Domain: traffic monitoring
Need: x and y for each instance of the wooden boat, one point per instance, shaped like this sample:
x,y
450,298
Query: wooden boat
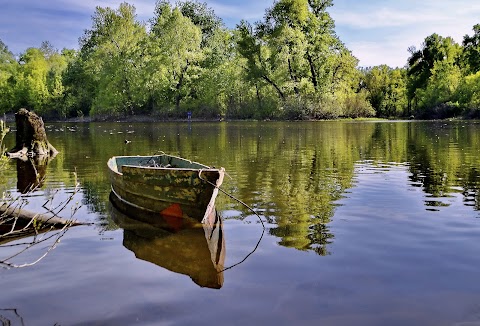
x,y
166,184
196,250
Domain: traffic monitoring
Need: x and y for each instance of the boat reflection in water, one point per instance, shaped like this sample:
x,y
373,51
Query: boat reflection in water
x,y
180,245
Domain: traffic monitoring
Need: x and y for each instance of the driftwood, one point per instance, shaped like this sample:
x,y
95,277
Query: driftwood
x,y
16,224
21,230
31,138
28,216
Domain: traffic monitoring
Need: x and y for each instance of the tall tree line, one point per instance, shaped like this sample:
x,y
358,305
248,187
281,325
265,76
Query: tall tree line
x,y
444,77
289,65
441,79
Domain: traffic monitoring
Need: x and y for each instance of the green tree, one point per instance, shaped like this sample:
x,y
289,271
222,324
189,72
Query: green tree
x,y
220,80
471,50
344,91
175,55
217,84
441,88
80,86
58,63
386,90
296,52
260,63
468,94
8,71
35,81
111,52
203,17
31,83
435,48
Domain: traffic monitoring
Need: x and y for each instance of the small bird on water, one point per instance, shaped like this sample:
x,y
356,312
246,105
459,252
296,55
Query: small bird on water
x,y
127,141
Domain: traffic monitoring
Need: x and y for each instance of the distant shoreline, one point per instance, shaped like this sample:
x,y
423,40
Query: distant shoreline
x,y
10,118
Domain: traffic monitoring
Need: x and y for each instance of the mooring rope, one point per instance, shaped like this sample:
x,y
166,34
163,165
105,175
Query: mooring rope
x,y
157,153
251,252
231,196
251,209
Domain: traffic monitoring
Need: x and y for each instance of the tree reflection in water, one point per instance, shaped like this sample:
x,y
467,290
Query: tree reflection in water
x,y
294,173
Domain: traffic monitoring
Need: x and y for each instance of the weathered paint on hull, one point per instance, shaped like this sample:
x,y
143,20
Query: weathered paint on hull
x,y
158,188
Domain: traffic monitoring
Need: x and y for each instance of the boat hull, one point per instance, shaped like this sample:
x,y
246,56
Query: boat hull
x,y
165,184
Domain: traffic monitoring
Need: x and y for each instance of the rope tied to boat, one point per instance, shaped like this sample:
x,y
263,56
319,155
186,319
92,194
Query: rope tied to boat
x,y
229,195
244,204
157,153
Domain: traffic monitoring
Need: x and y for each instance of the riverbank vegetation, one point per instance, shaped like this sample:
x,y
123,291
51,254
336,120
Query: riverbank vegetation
x,y
289,65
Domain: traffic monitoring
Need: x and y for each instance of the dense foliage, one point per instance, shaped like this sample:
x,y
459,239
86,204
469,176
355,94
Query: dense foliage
x,y
290,65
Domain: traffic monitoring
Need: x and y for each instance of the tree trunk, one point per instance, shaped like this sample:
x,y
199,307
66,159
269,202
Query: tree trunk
x,y
312,71
31,138
179,86
259,99
293,77
271,82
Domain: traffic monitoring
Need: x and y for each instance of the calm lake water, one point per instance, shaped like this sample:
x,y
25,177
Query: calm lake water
x,y
367,223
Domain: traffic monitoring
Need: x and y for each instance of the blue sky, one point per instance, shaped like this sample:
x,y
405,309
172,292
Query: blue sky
x,y
376,31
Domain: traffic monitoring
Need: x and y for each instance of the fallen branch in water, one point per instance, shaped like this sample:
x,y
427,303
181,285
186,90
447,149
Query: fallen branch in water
x,y
47,235
18,223
20,213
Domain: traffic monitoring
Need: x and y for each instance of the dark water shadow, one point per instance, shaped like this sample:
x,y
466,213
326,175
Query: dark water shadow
x,y
31,173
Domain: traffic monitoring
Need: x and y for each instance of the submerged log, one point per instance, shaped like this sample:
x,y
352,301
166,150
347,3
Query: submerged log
x,y
27,216
31,138
16,224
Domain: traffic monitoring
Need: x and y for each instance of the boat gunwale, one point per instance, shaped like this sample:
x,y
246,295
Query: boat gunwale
x,y
176,169
114,168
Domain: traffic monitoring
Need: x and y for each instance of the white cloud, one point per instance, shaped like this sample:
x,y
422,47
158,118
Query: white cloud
x,y
384,17
380,32
378,14
374,54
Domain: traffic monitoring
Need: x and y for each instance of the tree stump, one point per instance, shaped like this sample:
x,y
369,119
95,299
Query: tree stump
x,y
31,138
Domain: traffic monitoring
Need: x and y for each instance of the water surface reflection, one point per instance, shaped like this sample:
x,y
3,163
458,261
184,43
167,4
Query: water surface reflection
x,y
197,249
368,223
